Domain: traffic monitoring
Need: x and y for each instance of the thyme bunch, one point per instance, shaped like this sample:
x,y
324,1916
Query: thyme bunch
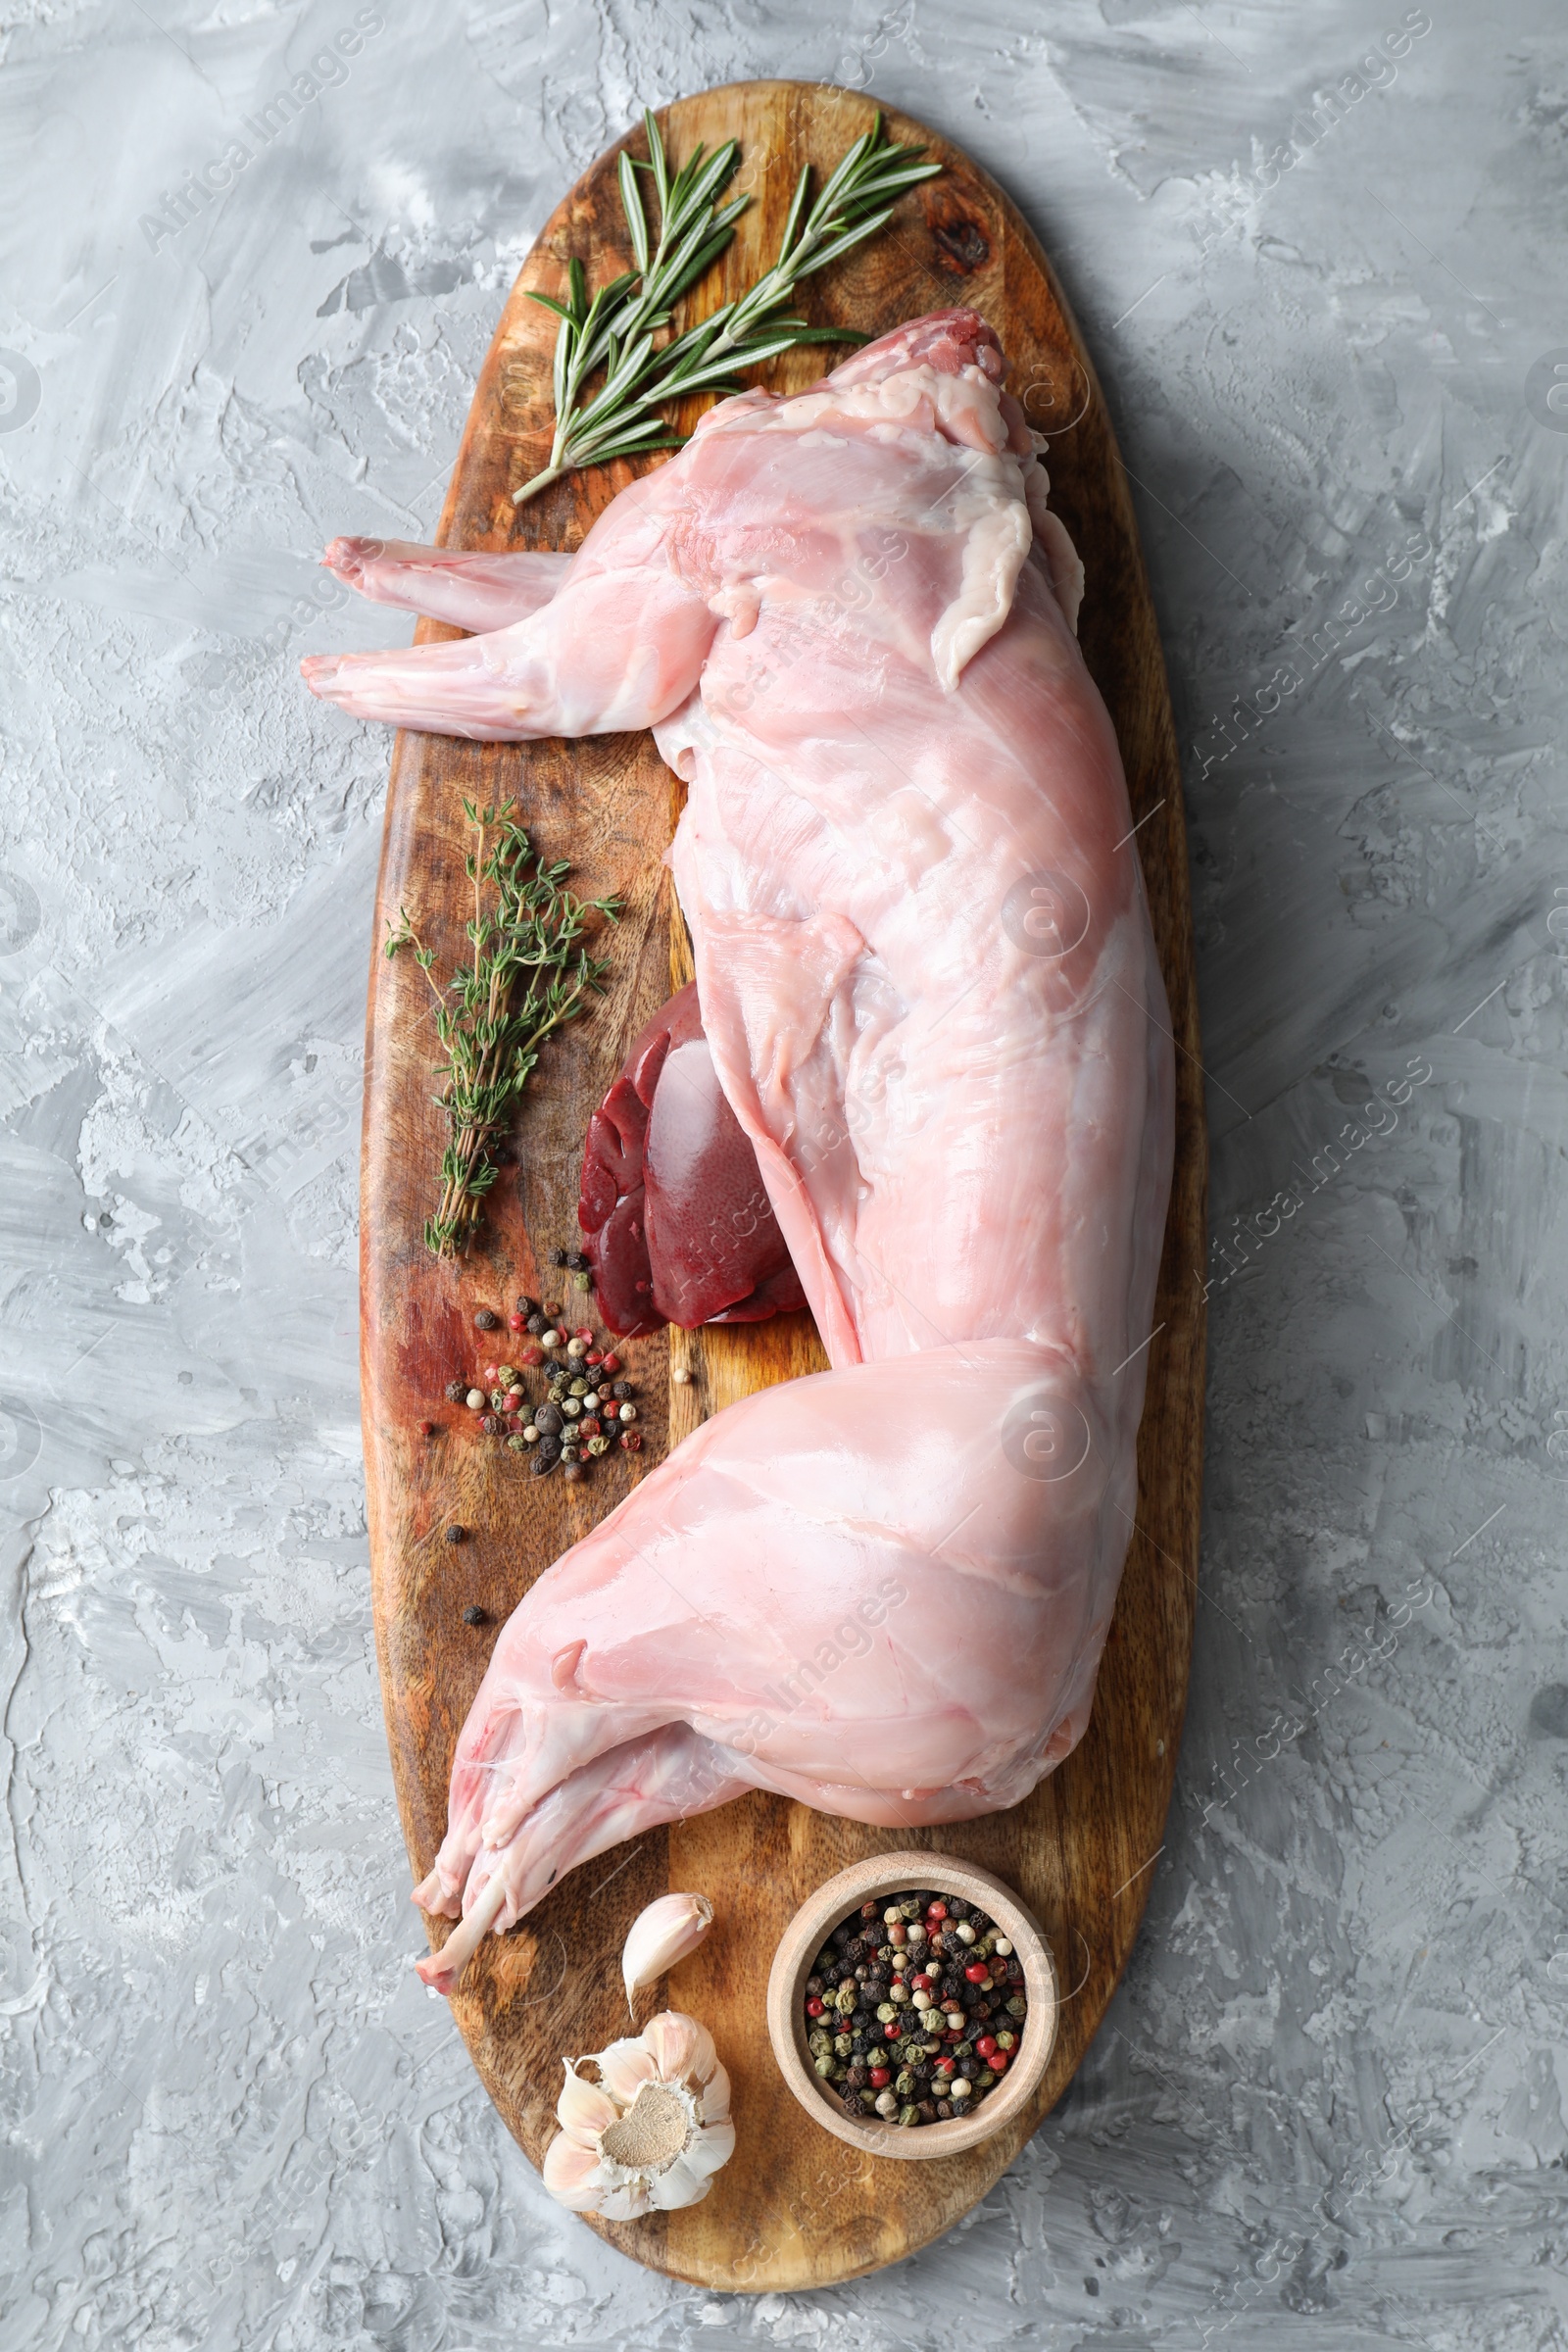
x,y
615,327
528,973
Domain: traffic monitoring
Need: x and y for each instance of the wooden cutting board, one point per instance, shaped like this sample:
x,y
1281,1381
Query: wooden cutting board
x,y
794,2208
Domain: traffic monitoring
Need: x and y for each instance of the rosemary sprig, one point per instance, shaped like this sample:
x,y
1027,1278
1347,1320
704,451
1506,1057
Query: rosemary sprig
x,y
615,329
527,974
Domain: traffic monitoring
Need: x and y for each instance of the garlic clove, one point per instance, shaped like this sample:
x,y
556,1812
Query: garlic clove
x,y
572,2174
682,2185
665,1933
627,2204
714,2102
584,2110
710,2150
681,2048
625,2067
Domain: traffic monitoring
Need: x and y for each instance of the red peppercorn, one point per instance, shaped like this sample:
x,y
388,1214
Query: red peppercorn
x,y
516,1322
816,2008
881,2077
998,2062
590,1427
492,1373
611,1363
584,1331
986,2045
892,2033
945,2066
919,1983
630,1441
937,1910
976,1972
594,1358
533,1355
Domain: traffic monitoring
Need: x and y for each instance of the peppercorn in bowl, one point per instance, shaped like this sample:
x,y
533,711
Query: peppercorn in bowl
x,y
901,1980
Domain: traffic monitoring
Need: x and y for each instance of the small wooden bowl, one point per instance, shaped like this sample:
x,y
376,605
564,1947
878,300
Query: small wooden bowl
x,y
805,1936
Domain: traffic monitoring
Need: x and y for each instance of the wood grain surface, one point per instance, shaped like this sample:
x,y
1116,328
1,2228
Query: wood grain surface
x,y
794,2208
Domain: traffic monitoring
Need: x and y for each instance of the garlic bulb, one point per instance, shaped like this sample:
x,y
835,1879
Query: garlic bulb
x,y
650,2135
663,1935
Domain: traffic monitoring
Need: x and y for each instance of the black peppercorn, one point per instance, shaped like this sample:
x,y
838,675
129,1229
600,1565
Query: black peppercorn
x,y
543,1461
558,1257
474,1615
526,1307
457,1534
487,1319
621,1389
456,1391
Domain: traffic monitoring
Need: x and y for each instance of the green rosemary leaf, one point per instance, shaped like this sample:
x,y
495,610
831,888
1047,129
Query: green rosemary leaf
x,y
633,206
656,160
613,335
844,244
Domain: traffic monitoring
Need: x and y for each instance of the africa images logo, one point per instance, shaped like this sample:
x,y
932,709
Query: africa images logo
x,y
327,71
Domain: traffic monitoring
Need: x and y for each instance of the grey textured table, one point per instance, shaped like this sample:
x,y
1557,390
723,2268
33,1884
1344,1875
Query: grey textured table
x,y
1327,297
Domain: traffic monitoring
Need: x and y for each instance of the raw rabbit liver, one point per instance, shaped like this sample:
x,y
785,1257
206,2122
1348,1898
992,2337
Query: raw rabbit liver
x,y
929,987
678,1226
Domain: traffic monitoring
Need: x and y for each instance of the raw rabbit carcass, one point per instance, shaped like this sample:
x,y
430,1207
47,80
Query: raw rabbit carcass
x,y
929,987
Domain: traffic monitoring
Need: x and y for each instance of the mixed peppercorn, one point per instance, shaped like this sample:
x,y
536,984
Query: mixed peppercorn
x,y
914,2009
584,1405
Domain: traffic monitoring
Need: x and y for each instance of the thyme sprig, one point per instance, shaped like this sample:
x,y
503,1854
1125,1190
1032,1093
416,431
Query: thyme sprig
x,y
528,973
615,329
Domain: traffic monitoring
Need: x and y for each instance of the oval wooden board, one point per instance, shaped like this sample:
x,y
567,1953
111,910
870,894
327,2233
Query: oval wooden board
x,y
794,2208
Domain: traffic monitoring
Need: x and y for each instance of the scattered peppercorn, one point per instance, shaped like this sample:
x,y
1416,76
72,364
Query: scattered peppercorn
x,y
474,1615
557,1257
938,2055
457,1534
577,1410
